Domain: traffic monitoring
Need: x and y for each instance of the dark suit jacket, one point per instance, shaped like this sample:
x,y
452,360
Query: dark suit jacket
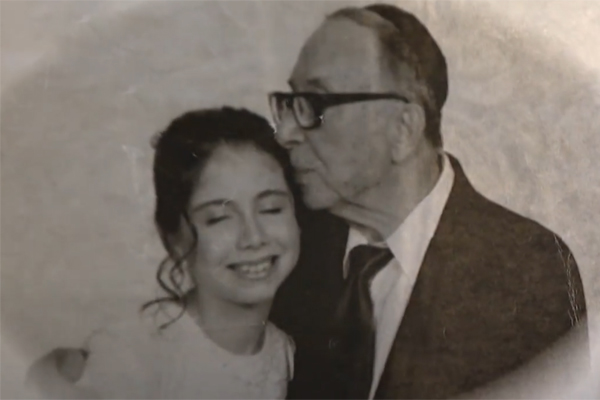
x,y
494,290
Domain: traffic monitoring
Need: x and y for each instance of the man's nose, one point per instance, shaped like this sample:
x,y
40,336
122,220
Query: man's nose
x,y
252,235
288,133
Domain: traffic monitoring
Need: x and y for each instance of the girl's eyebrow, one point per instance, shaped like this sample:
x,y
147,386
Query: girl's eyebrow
x,y
273,192
216,202
224,202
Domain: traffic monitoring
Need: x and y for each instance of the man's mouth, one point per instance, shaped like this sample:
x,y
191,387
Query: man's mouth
x,y
257,269
301,173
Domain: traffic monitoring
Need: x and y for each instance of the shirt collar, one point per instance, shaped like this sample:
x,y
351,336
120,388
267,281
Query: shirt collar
x,y
410,241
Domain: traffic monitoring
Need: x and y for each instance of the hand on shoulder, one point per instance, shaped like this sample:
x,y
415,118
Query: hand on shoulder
x,y
55,374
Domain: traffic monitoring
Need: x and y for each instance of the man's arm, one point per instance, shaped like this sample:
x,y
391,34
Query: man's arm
x,y
55,374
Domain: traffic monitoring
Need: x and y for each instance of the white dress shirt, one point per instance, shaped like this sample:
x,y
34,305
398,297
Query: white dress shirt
x,y
392,286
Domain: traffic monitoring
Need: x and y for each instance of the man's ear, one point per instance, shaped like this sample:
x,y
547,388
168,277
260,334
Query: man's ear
x,y
410,129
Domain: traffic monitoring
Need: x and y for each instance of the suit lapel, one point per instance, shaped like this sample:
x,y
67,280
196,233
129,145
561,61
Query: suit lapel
x,y
411,373
436,268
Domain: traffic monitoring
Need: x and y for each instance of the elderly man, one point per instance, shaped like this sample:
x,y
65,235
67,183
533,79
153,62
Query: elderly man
x,y
411,283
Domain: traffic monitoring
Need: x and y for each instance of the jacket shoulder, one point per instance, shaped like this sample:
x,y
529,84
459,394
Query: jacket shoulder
x,y
530,260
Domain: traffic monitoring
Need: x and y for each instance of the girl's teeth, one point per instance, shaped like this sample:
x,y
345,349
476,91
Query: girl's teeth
x,y
255,271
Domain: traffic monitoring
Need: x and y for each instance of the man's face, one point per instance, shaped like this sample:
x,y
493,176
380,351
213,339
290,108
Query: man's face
x,y
349,152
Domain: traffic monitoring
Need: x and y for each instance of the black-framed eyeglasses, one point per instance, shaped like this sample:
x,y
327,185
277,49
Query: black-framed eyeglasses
x,y
308,107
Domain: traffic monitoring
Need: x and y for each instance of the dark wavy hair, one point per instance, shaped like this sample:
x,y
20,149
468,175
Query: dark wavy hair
x,y
181,153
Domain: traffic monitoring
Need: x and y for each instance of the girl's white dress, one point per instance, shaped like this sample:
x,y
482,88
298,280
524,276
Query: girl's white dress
x,y
134,360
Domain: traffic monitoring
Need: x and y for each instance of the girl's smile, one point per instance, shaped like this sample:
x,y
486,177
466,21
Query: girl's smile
x,y
255,270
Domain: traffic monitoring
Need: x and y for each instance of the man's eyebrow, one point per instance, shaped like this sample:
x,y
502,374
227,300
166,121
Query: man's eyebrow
x,y
273,192
317,83
211,203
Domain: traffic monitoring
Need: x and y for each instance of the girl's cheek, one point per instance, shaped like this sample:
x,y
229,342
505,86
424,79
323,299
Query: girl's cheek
x,y
286,230
220,242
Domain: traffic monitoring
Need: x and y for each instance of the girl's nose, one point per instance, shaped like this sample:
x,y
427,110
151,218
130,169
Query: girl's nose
x,y
252,235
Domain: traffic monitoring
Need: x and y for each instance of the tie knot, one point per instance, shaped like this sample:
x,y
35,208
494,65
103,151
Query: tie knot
x,y
366,261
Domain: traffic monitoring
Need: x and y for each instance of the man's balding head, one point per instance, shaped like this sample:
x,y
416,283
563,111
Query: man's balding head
x,y
411,55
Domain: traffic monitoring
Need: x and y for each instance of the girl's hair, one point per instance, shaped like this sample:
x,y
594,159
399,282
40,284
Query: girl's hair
x,y
181,153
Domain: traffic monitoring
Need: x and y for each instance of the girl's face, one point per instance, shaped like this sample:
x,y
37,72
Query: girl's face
x,y
248,236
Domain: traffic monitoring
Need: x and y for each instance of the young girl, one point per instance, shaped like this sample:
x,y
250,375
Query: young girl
x,y
225,211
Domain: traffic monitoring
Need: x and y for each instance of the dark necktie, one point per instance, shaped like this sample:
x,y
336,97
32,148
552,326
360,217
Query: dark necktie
x,y
353,342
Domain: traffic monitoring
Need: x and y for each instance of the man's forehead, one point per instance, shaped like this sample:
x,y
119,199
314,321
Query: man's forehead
x,y
338,50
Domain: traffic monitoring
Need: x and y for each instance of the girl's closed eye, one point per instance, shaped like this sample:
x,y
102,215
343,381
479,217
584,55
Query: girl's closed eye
x,y
216,219
272,210
213,212
216,214
273,205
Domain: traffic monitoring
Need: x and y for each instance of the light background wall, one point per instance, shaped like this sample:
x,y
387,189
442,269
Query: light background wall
x,y
86,84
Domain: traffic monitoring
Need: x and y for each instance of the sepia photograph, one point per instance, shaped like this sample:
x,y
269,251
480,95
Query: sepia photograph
x,y
300,199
